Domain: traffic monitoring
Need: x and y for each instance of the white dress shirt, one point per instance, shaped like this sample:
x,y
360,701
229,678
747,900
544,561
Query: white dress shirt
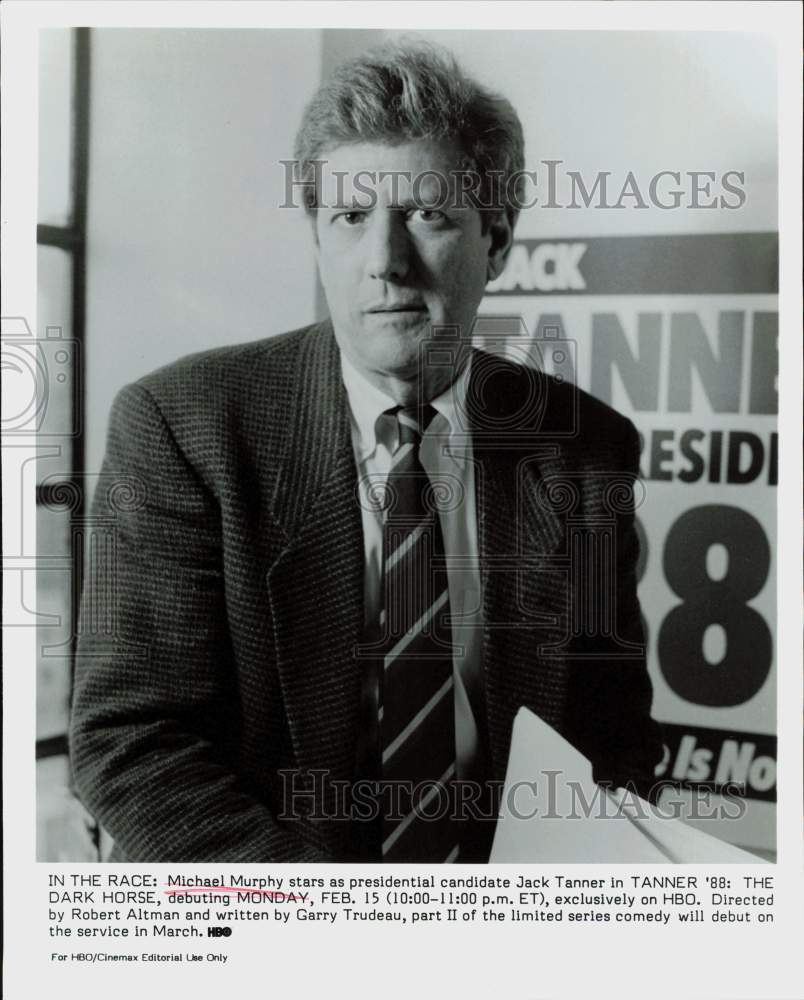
x,y
446,455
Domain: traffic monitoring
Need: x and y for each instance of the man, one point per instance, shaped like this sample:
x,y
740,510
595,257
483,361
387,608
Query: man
x,y
352,551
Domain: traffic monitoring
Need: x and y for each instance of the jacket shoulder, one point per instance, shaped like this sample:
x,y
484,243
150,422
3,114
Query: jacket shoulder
x,y
224,405
236,365
545,404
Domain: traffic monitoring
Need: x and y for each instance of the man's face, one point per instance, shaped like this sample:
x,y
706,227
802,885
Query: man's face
x,y
402,259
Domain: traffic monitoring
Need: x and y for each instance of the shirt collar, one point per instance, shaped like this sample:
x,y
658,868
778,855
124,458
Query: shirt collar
x,y
367,404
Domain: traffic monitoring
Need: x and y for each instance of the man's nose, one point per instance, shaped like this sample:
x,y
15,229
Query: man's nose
x,y
388,250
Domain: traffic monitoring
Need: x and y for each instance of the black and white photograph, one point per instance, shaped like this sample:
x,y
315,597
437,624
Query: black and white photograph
x,y
441,243
394,454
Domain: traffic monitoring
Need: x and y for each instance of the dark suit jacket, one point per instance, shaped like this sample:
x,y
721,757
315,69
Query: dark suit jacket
x,y
218,629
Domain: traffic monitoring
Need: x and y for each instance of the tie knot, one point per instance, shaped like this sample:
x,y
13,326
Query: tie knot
x,y
413,421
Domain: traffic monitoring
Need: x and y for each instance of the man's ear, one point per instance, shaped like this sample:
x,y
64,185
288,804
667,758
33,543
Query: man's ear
x,y
501,230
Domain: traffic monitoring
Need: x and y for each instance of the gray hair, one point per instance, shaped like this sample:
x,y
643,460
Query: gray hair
x,y
404,92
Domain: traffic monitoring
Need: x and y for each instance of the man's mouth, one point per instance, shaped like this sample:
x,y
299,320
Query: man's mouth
x,y
401,307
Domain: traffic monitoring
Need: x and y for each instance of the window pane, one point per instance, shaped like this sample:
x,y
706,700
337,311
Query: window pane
x,y
53,604
63,826
57,352
55,123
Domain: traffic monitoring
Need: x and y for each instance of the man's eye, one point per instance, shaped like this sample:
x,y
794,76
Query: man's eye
x,y
352,218
427,215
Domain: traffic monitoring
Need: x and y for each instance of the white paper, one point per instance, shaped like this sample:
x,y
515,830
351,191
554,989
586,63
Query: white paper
x,y
553,812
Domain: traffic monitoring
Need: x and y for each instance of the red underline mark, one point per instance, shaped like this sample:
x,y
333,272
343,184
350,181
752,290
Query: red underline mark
x,y
273,894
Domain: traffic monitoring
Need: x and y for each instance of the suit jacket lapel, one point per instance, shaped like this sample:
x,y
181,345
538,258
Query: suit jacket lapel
x,y
316,585
519,537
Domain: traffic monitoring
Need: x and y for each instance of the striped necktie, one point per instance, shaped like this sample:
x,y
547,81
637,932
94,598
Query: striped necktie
x,y
417,710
